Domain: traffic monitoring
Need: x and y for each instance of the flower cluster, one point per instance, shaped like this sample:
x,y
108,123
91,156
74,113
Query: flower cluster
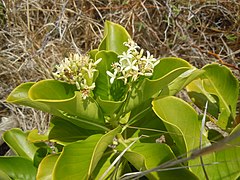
x,y
79,70
132,64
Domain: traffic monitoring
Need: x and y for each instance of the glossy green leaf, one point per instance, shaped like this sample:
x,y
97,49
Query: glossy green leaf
x,y
219,80
167,65
164,73
200,96
39,155
64,131
79,159
64,97
18,168
17,141
228,166
181,81
141,93
181,121
60,99
45,169
20,96
103,165
103,85
114,37
145,156
4,176
35,136
108,95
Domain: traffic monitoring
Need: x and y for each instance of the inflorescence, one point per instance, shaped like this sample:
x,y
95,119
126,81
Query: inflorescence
x,y
79,70
132,64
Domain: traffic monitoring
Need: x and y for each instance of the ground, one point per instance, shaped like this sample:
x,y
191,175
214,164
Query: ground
x,y
35,35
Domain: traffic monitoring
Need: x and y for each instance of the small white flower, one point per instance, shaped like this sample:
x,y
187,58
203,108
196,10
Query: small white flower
x,y
97,61
132,46
149,59
132,66
112,75
125,56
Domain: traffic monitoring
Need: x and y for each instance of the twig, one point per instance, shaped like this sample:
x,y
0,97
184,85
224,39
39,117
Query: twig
x,y
217,57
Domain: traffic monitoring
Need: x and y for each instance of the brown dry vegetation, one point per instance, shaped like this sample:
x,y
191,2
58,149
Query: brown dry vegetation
x,y
35,35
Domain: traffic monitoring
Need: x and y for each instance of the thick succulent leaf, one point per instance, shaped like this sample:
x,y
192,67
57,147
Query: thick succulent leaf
x,y
35,136
145,156
169,77
167,65
219,80
181,81
18,168
141,93
17,141
103,85
181,121
65,131
103,165
114,37
200,96
63,97
228,160
108,94
45,169
60,99
81,158
4,176
20,96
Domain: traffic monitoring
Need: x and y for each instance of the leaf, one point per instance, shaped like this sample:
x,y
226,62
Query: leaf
x,y
64,131
167,65
18,168
181,81
147,124
4,176
145,156
103,165
219,80
141,93
39,155
20,96
228,166
103,85
45,169
17,141
79,159
63,97
181,121
169,76
114,37
200,96
108,95
60,99
35,136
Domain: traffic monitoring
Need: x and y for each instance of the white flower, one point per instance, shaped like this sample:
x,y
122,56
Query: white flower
x,y
125,56
132,66
79,70
149,60
97,61
132,46
112,75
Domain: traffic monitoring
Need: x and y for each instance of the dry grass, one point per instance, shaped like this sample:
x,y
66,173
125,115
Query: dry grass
x,y
35,35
